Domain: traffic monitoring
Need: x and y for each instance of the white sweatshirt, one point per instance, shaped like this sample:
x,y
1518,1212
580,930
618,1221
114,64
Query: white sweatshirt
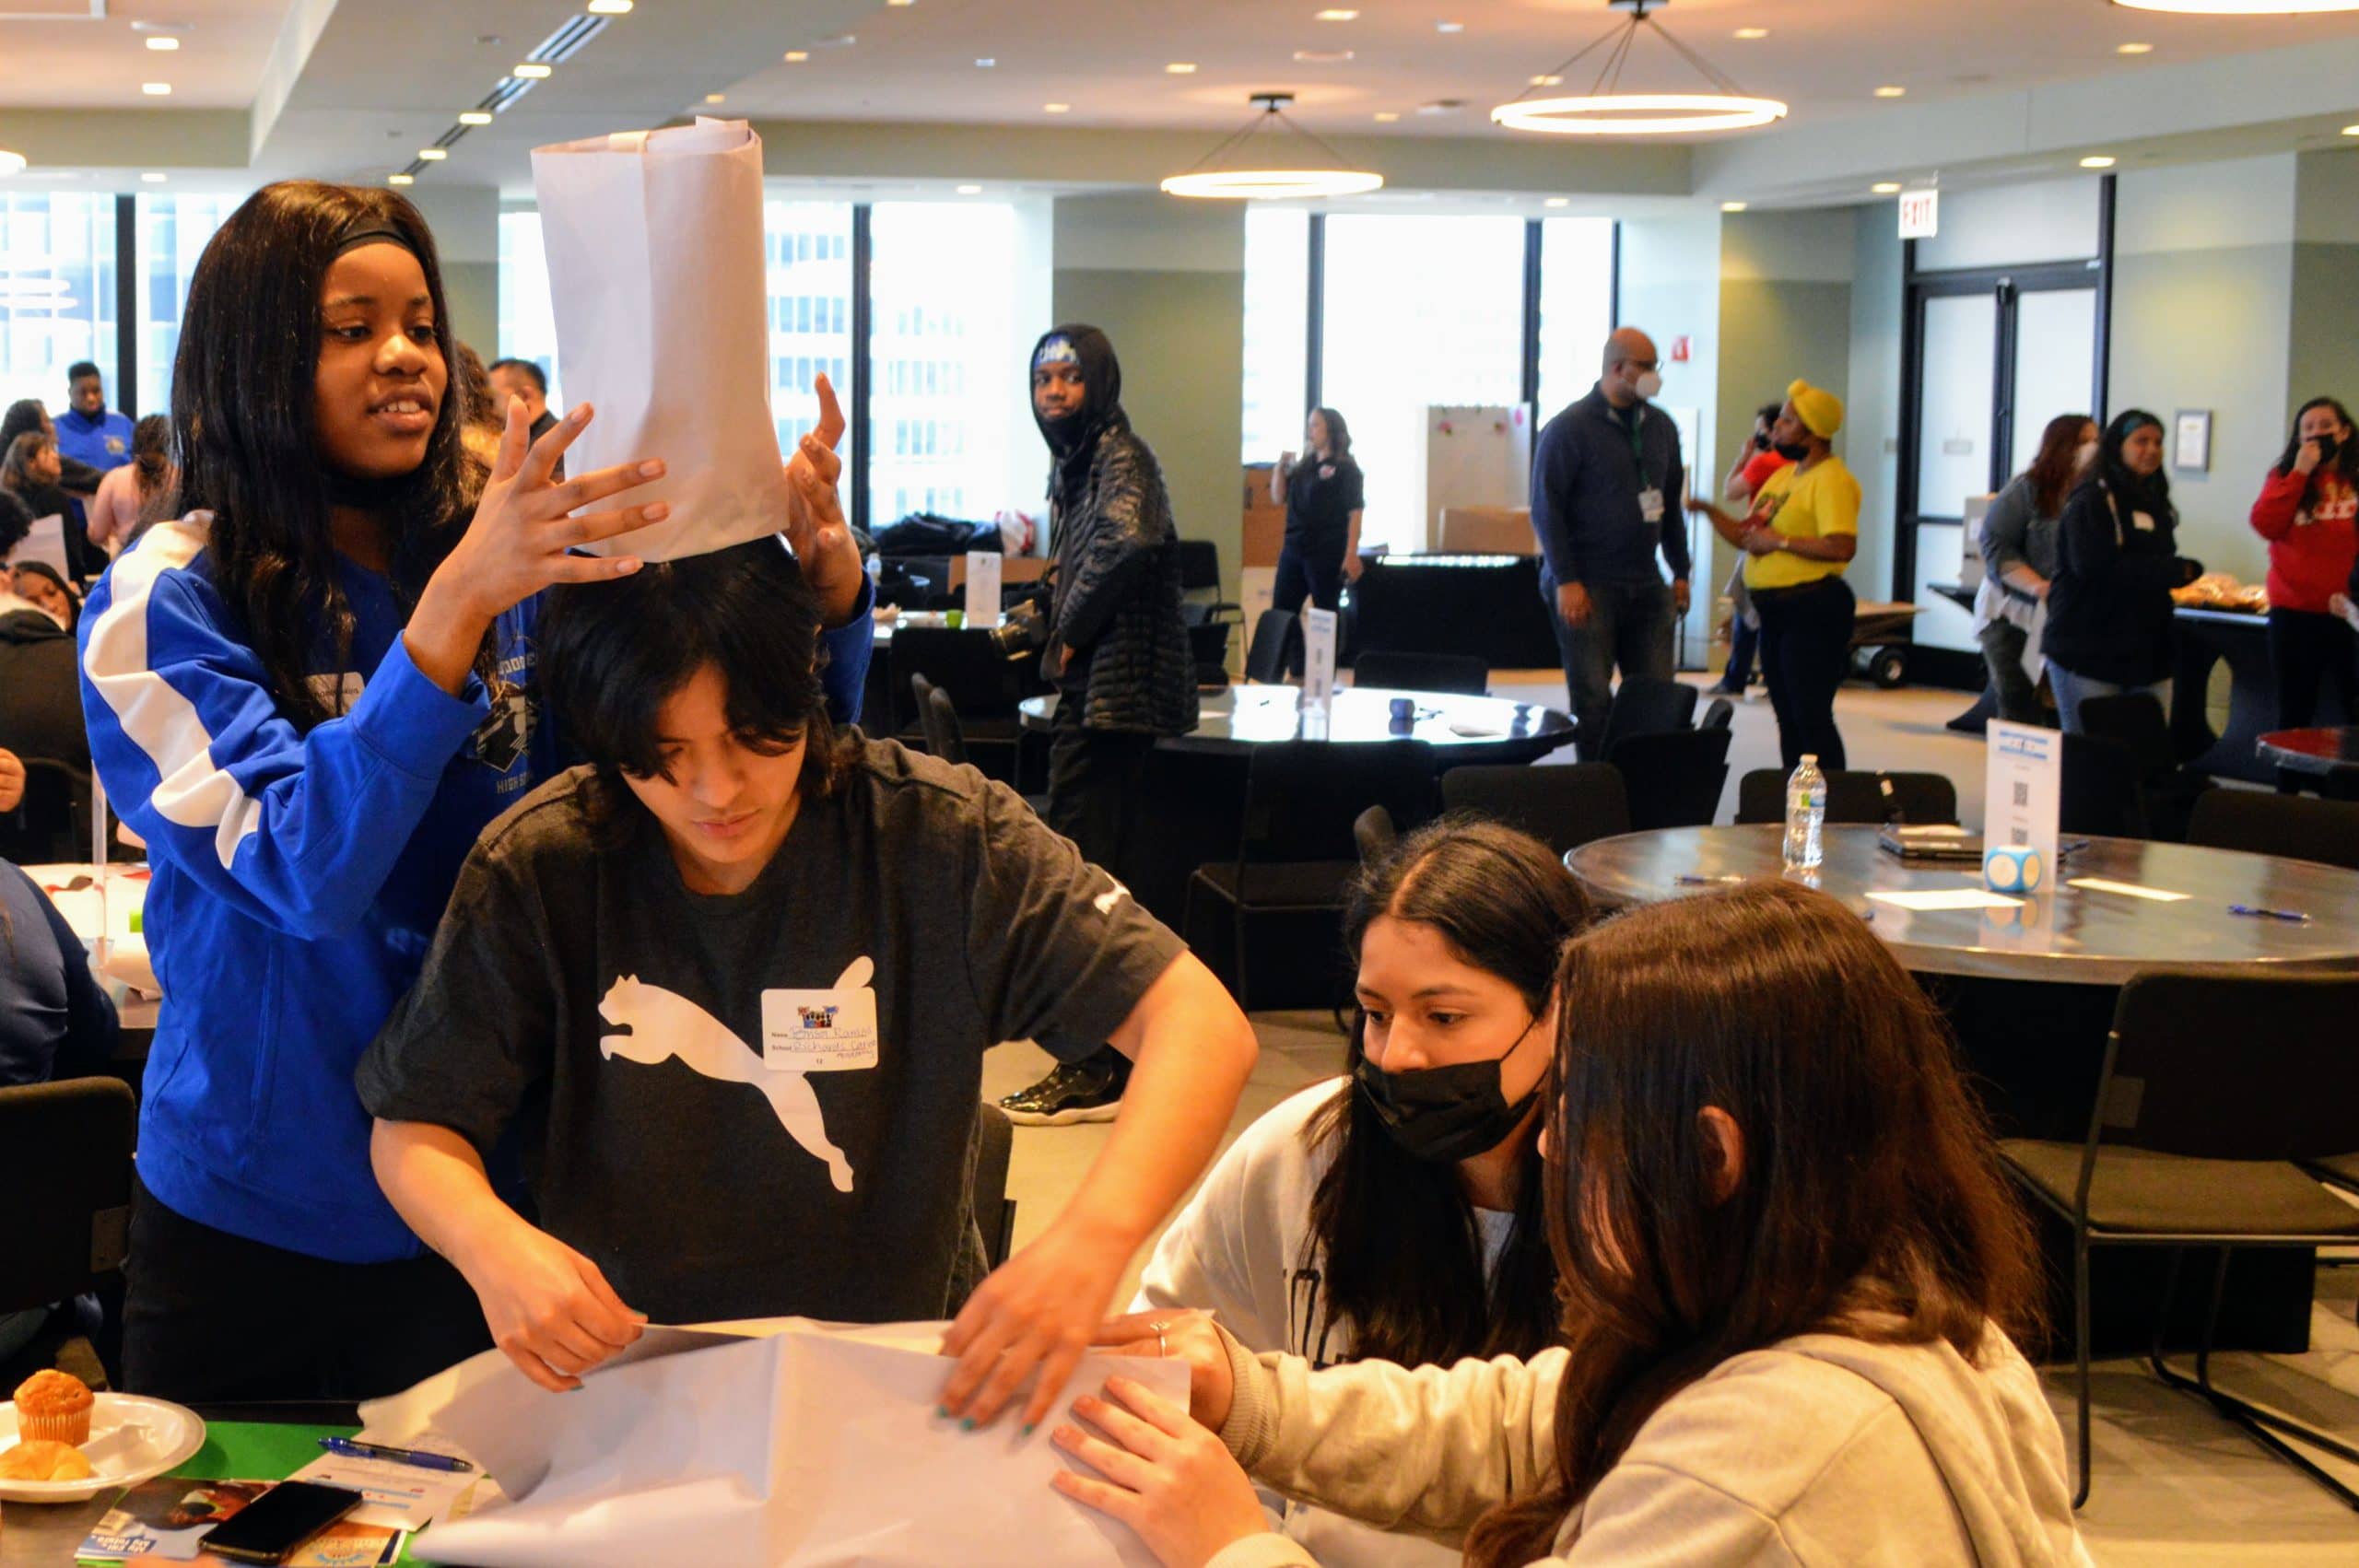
x,y
1242,1250
1821,1450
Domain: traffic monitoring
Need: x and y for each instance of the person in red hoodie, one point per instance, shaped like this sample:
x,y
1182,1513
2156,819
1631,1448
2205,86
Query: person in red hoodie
x,y
2308,512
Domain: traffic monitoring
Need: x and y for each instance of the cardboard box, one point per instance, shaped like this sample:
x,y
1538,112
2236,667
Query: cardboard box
x,y
1486,530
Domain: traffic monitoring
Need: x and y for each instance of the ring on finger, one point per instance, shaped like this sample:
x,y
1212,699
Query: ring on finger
x,y
1162,1344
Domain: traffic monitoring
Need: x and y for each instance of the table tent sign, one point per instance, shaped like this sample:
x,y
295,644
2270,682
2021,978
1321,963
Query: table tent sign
x,y
787,1443
1318,658
2025,790
982,587
656,277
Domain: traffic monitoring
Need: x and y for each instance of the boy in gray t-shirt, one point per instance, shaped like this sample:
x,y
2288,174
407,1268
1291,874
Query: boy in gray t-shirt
x,y
729,989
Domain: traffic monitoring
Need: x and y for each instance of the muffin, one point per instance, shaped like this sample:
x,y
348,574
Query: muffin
x,y
53,1406
40,1459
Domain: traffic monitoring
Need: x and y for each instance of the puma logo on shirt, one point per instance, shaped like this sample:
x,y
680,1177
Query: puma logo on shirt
x,y
663,1024
1104,903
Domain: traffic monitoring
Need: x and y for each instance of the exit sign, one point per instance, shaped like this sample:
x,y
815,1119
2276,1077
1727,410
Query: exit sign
x,y
1921,214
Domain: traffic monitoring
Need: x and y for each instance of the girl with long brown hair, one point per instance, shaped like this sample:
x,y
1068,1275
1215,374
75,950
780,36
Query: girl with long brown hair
x,y
1791,1277
2018,544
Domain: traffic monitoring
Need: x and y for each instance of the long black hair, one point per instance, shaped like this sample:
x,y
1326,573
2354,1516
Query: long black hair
x,y
1403,1256
613,653
243,417
2345,459
2150,492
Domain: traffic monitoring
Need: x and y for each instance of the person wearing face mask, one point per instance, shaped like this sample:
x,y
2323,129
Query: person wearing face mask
x,y
2308,512
2018,542
1396,1214
1802,531
2110,603
1606,479
1118,651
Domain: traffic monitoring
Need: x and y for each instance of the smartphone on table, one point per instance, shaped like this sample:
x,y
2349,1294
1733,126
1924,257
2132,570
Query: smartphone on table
x,y
278,1521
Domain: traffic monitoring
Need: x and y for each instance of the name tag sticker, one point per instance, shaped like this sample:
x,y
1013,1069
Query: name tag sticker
x,y
1650,506
2143,521
819,1031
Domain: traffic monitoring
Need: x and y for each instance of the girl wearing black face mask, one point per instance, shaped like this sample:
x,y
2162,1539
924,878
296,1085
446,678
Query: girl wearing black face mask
x,y
1396,1214
2308,512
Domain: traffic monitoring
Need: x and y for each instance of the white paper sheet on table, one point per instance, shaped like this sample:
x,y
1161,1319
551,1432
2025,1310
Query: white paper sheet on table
x,y
656,280
2129,889
813,1447
1947,898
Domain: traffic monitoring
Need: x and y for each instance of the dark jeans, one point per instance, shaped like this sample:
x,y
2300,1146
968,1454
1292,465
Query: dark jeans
x,y
1629,627
1309,568
1096,780
1805,653
1742,641
2002,652
2307,650
212,1316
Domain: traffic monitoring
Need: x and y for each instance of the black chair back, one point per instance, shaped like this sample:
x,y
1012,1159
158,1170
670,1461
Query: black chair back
x,y
1276,648
2136,720
1718,714
1646,704
66,1152
946,737
1564,807
1302,797
921,710
1199,565
2100,790
1458,672
987,1197
1854,796
1373,831
52,822
2234,1067
967,663
2294,827
1673,777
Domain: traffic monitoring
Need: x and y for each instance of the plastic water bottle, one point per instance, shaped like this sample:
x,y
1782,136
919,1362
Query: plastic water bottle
x,y
1805,816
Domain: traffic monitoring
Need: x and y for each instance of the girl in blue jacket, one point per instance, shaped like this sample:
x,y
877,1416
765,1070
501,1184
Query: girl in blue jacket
x,y
308,695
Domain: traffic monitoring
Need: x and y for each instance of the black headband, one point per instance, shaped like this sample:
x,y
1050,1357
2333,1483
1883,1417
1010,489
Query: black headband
x,y
368,231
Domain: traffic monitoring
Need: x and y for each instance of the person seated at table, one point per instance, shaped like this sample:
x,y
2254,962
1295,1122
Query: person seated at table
x,y
1792,1278
1396,1214
39,584
2109,614
731,984
2308,512
40,693
55,1020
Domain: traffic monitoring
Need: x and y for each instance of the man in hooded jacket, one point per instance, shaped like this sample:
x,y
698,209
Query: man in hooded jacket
x,y
1118,651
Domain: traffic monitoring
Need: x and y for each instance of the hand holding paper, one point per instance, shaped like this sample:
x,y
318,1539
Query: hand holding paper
x,y
814,516
1166,1477
1179,1334
1037,1311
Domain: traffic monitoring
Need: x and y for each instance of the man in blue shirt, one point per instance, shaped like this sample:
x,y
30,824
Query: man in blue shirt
x,y
90,432
1606,482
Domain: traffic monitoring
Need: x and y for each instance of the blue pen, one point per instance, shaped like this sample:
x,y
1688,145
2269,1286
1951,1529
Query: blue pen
x,y
2296,916
353,1448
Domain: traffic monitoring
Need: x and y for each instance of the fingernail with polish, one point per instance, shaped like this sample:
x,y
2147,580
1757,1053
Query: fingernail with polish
x,y
1030,1427
942,1410
967,1424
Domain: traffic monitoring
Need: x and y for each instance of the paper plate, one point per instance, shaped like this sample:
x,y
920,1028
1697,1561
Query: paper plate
x,y
131,1438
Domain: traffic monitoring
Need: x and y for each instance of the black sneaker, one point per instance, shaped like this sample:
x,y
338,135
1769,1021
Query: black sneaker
x,y
1076,1091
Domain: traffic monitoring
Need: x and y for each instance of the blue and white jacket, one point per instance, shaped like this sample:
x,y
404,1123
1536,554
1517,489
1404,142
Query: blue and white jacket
x,y
299,877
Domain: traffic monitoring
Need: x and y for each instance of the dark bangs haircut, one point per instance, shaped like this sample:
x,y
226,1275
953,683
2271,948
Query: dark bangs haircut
x,y
613,653
2345,461
2155,487
1404,1255
1869,1201
243,406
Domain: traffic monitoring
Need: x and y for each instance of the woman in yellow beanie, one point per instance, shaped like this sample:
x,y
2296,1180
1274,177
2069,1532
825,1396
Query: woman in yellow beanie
x,y
1802,531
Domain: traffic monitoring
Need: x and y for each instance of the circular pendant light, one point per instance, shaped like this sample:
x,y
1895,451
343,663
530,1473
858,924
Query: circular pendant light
x,y
1216,176
2241,7
11,162
1605,110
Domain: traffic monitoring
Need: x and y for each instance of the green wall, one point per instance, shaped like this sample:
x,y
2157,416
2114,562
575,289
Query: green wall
x,y
1166,281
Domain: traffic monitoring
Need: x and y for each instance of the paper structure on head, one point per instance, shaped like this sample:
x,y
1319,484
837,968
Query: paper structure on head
x,y
656,280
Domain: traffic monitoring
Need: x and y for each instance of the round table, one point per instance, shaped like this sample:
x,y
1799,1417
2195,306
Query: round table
x,y
1461,729
2329,755
2068,935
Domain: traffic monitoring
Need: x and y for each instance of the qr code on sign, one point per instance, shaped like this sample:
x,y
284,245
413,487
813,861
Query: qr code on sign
x,y
2023,793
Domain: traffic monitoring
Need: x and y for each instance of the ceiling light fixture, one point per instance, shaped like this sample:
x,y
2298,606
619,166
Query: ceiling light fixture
x,y
2133,49
716,98
2351,130
970,190
1547,81
1605,110
1217,175
2241,7
1558,201
1731,206
1449,27
11,162
163,42
532,71
1387,116
1337,17
156,89
475,117
2100,161
151,178
610,8
985,63
1751,34
1180,68
797,56
1056,108
434,155
1886,187
401,179
1892,92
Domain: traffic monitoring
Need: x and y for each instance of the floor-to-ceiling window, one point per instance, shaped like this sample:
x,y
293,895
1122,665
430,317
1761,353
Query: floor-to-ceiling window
x,y
527,322
172,233
947,406
1277,312
1576,307
57,291
1417,311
